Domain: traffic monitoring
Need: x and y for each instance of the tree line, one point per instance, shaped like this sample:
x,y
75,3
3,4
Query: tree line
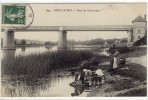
x,y
96,41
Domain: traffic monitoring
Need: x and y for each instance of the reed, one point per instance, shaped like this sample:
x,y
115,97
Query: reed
x,y
39,65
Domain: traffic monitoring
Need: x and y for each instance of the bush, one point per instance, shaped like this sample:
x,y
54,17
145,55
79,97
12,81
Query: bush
x,y
121,49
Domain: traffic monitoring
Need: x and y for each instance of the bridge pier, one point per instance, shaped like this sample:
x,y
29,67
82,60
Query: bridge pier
x,y
8,40
62,40
129,32
6,57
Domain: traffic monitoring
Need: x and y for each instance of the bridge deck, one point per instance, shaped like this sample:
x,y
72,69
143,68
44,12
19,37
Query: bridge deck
x,y
71,28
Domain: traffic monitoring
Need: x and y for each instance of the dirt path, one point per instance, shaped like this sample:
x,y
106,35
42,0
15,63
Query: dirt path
x,y
142,60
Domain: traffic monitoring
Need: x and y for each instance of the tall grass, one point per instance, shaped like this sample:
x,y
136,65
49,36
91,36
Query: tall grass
x,y
39,65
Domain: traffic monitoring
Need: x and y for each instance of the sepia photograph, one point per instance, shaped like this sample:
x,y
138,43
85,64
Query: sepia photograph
x,y
73,50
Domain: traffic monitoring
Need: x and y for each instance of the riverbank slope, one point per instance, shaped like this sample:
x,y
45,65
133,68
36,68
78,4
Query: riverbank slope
x,y
127,82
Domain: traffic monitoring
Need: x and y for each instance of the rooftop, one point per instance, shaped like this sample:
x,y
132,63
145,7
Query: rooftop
x,y
139,19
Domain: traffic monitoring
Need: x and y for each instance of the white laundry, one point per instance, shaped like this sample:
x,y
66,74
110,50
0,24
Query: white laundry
x,y
99,72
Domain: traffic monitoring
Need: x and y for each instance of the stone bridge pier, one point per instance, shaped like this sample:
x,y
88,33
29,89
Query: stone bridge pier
x,y
62,39
8,40
129,33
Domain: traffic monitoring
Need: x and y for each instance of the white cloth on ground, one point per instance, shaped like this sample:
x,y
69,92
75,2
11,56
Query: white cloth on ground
x,y
99,72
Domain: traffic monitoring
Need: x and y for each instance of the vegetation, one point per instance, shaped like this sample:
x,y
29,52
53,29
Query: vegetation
x,y
40,65
23,42
49,43
98,41
136,71
138,51
118,85
122,49
136,92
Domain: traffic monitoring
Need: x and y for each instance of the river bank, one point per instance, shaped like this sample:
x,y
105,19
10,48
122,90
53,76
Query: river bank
x,y
39,73
127,82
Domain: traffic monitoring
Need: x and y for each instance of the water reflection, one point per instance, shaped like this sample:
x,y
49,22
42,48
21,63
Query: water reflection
x,y
55,84
8,55
31,50
48,47
23,49
52,86
78,90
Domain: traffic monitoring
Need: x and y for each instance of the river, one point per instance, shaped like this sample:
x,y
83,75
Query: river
x,y
56,84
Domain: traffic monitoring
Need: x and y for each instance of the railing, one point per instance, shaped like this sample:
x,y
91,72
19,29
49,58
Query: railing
x,y
71,28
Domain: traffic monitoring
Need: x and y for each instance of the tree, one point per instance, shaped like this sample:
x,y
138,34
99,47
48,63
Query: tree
x,y
23,42
49,43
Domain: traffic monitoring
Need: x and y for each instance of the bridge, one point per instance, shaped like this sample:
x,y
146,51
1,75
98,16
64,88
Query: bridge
x,y
135,31
71,28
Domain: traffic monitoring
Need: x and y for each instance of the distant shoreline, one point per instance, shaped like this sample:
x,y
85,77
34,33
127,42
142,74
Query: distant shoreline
x,y
36,45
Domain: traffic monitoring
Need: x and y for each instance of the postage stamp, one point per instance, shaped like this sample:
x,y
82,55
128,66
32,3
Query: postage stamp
x,y
17,16
13,14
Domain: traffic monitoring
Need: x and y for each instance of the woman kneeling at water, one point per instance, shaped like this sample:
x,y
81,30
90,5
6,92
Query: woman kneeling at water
x,y
87,76
83,77
79,78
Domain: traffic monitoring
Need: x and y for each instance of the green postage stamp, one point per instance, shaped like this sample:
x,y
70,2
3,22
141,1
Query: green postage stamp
x,y
12,14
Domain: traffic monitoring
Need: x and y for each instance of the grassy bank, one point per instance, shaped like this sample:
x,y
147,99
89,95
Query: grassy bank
x,y
126,82
139,51
136,71
135,92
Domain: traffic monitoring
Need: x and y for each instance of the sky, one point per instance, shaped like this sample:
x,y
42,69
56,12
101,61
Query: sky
x,y
102,14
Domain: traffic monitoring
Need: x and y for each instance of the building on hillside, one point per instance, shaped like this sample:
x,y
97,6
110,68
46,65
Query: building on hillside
x,y
139,28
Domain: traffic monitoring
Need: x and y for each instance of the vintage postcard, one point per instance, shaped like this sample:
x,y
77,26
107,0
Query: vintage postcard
x,y
74,50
